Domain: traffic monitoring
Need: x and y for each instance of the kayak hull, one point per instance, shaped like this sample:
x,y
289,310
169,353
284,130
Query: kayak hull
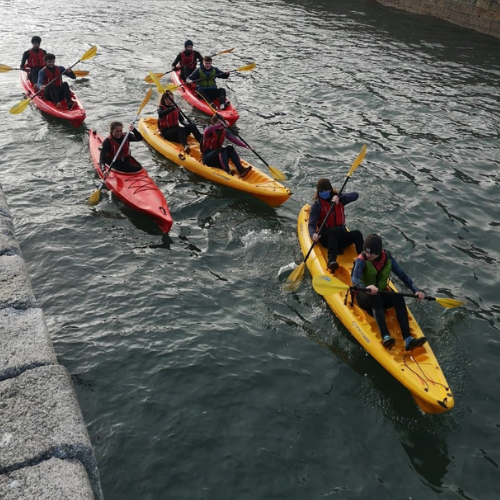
x,y
418,370
188,93
255,183
136,190
75,116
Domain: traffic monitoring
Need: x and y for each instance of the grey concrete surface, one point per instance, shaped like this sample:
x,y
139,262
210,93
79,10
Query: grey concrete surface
x,y
53,479
45,449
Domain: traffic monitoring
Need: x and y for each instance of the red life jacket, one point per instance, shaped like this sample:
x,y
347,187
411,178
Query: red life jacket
x,y
48,76
188,61
336,217
115,146
377,264
213,140
169,120
35,59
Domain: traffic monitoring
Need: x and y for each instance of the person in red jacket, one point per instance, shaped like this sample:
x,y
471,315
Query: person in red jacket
x,y
186,60
111,145
171,123
33,60
215,154
334,235
51,82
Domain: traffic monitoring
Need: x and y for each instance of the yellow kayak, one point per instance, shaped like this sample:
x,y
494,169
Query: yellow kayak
x,y
417,370
256,183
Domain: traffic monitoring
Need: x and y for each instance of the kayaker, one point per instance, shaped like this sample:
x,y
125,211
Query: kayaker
x,y
334,235
371,271
50,81
205,77
172,124
186,60
215,154
33,60
111,145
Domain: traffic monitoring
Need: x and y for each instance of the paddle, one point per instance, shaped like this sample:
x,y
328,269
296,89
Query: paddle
x,y
161,90
275,172
173,86
4,68
95,197
19,108
293,281
329,285
148,78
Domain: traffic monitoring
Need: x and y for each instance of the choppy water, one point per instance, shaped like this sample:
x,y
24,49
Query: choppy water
x,y
197,376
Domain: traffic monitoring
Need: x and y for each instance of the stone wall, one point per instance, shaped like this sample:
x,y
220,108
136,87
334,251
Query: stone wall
x,y
479,15
45,449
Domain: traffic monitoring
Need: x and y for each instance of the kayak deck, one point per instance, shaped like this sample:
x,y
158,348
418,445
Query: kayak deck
x,y
418,370
135,189
189,93
255,183
75,116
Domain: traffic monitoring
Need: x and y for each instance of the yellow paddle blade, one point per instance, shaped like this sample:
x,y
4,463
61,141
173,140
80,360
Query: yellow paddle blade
x,y
80,73
19,108
95,197
145,100
293,281
89,54
357,161
223,52
450,303
149,79
4,68
277,174
248,67
156,81
328,285
172,87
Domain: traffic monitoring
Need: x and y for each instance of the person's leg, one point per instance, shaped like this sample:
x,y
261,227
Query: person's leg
x,y
374,305
170,134
222,98
233,155
193,129
347,238
216,159
66,93
398,302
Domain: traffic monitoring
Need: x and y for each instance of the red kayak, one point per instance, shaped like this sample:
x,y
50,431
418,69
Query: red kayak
x,y
135,189
75,116
188,92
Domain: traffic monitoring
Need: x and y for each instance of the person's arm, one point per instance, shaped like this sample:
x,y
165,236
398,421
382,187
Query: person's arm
x,y
211,128
236,140
135,136
105,150
24,59
195,75
41,76
357,273
165,110
221,74
198,57
346,198
313,218
177,60
396,269
67,72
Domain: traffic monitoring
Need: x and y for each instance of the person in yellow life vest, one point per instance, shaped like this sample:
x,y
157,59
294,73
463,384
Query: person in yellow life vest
x,y
205,77
172,124
33,60
111,146
51,82
334,234
371,274
186,60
